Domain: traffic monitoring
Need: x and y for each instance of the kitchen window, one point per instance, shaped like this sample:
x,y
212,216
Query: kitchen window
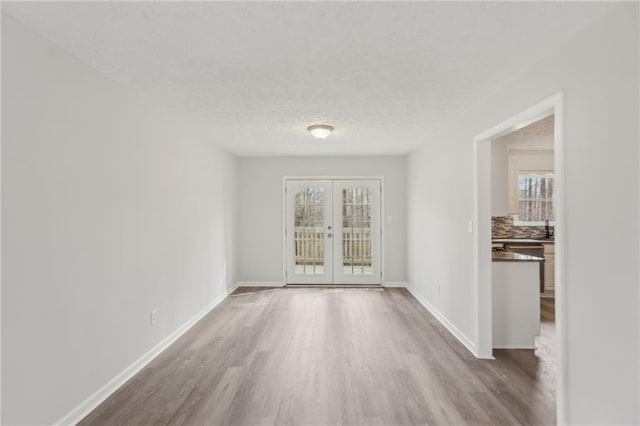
x,y
535,198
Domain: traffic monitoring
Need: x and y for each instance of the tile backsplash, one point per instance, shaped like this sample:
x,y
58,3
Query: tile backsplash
x,y
502,227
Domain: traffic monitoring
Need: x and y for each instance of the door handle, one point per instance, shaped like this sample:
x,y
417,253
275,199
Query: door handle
x,y
329,235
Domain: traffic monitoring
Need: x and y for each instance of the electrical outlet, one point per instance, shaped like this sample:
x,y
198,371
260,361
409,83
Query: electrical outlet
x,y
470,226
154,316
438,290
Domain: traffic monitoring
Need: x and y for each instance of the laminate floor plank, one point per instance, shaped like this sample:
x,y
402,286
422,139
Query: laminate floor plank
x,y
325,356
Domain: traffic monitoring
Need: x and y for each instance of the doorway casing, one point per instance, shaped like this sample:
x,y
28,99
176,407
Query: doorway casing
x,y
482,234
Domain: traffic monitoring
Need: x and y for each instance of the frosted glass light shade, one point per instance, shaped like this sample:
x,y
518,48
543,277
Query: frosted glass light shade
x,y
320,131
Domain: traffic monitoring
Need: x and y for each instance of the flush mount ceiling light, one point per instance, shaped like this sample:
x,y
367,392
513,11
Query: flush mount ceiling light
x,y
320,131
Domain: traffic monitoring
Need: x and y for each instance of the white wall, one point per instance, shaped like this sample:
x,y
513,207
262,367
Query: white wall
x,y
260,218
110,207
527,149
598,71
522,163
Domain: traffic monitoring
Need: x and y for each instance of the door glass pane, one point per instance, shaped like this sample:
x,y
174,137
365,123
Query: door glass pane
x,y
356,231
309,231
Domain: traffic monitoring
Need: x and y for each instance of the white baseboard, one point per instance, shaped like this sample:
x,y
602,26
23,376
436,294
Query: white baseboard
x,y
85,407
281,284
468,343
259,284
395,284
515,346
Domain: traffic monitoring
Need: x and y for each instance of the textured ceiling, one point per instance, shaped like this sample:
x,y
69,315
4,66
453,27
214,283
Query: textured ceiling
x,y
536,136
255,75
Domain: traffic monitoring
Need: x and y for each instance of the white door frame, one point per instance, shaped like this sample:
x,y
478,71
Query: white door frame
x,y
333,177
328,258
339,276
482,234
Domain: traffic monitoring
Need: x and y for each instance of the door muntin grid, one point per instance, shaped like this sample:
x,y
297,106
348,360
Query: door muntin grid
x,y
309,237
357,228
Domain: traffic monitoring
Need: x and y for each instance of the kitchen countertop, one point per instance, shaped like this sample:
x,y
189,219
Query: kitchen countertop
x,y
523,241
510,256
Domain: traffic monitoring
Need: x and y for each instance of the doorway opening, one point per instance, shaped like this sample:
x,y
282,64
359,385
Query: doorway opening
x,y
333,231
531,208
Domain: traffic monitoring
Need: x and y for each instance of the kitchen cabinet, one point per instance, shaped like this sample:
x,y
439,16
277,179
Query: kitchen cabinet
x,y
549,266
536,247
532,250
515,300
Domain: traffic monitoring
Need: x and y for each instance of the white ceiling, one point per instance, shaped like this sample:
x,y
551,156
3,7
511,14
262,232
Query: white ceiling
x,y
536,136
255,75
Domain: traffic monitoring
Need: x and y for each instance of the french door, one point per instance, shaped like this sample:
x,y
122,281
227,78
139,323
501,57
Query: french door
x,y
333,232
